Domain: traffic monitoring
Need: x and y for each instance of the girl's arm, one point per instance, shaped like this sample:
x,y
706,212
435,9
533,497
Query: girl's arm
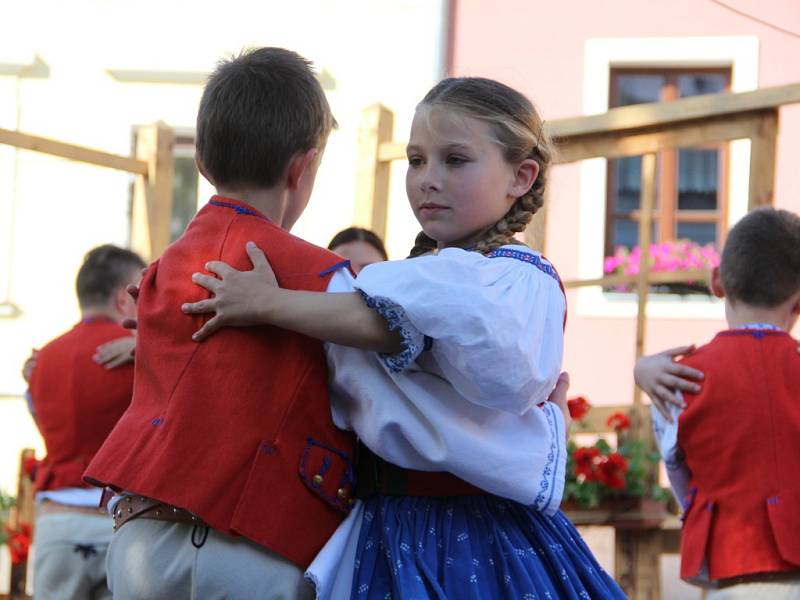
x,y
244,298
661,378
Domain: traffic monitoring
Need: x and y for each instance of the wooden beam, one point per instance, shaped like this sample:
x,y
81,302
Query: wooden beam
x,y
372,179
660,277
152,197
617,144
72,152
642,116
763,145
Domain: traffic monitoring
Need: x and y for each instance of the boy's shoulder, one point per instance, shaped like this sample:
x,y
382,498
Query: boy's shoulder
x,y
728,348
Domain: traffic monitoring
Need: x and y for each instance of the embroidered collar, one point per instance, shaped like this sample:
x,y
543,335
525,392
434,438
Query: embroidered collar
x,y
240,207
527,255
761,327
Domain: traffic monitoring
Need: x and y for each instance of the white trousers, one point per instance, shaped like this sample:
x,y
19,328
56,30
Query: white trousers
x,y
70,555
160,560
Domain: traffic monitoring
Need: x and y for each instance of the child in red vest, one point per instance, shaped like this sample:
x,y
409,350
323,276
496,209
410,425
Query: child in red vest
x,y
462,464
75,403
731,446
229,470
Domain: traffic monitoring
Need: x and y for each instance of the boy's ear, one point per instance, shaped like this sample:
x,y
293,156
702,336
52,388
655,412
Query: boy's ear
x,y
202,168
298,165
716,283
524,177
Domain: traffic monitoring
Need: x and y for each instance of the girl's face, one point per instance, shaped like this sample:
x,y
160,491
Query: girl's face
x,y
458,182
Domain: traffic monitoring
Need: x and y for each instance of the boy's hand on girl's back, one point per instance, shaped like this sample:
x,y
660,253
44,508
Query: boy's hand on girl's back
x,y
662,379
240,297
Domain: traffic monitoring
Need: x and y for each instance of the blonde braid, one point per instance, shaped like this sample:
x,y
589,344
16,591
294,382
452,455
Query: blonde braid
x,y
422,245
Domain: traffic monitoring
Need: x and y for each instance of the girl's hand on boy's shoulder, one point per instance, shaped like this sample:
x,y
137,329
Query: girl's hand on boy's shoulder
x,y
662,379
240,297
30,364
116,352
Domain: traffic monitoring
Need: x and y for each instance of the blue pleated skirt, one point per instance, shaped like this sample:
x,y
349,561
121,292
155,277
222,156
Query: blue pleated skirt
x,y
472,547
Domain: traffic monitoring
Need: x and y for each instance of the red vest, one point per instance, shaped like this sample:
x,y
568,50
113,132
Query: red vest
x,y
236,429
76,401
741,439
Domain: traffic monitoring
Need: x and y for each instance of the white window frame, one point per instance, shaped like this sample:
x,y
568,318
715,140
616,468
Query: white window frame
x,y
740,53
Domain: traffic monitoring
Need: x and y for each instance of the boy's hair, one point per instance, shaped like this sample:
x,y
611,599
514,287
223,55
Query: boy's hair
x,y
519,131
257,111
760,263
359,234
105,269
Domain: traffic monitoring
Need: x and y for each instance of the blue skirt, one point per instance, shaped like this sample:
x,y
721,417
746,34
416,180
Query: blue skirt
x,y
472,547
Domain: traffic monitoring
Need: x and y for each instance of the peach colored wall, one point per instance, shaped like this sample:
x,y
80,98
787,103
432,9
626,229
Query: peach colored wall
x,y
538,47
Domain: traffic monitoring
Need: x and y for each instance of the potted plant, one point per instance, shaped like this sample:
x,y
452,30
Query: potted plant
x,y
667,257
608,483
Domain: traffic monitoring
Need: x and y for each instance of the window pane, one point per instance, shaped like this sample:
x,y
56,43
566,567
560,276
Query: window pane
x,y
702,233
627,183
184,195
701,83
625,232
637,89
698,179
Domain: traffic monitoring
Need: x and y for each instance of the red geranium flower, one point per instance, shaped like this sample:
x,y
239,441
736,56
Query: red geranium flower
x,y
586,461
29,466
612,471
618,421
578,407
19,542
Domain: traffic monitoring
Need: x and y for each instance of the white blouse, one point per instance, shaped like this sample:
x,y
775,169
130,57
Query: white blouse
x,y
474,402
483,343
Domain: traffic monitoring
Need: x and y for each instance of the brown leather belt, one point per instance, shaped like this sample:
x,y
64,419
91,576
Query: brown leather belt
x,y
141,507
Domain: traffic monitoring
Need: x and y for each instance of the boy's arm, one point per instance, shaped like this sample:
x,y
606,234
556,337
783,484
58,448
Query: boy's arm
x,y
246,298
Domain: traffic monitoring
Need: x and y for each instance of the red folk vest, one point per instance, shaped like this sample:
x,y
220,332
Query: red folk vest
x,y
741,439
76,401
236,429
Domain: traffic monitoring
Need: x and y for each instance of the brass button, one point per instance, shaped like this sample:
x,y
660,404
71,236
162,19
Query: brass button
x,y
317,479
341,493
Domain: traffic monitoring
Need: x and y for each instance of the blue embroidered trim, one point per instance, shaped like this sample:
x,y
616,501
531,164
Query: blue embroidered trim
x,y
761,326
340,265
534,259
756,333
395,317
544,485
240,210
348,476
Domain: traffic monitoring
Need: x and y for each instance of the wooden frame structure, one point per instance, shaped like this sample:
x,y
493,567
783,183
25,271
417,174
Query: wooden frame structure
x,y
152,164
150,235
642,129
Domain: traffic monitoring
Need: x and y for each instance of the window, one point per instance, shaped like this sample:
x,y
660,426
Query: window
x,y
184,186
691,191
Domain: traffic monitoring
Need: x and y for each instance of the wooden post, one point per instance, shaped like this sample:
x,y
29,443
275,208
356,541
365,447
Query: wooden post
x,y
152,195
636,553
762,161
645,238
22,513
372,183
635,549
